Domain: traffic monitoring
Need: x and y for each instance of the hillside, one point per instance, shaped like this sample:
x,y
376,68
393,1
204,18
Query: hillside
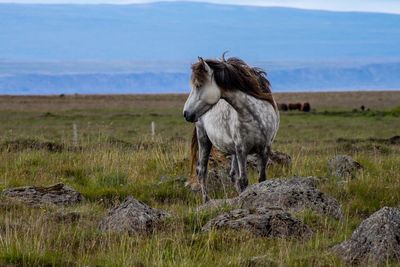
x,y
182,31
142,48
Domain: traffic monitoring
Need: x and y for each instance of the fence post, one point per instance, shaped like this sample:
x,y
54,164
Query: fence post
x,y
153,129
75,134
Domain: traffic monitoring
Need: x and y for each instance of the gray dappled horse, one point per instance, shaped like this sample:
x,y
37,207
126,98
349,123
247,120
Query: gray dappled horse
x,y
233,109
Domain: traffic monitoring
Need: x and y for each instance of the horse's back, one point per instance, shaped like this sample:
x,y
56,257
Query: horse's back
x,y
223,122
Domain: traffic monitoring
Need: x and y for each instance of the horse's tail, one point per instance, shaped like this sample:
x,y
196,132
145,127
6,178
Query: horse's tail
x,y
194,149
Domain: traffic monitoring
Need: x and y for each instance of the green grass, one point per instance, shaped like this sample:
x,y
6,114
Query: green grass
x,y
116,157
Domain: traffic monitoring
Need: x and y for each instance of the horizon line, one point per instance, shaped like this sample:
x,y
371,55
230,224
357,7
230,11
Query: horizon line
x,y
66,3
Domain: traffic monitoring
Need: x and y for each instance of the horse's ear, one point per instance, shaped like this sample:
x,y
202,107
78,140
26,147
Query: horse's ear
x,y
205,66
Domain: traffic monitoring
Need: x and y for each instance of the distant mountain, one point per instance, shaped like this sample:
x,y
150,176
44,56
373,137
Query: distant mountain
x,y
307,78
177,31
148,48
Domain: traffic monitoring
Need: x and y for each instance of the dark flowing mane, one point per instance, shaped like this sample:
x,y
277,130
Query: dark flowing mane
x,y
234,74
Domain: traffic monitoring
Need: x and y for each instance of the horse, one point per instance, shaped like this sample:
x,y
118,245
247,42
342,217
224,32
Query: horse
x,y
282,106
233,110
306,107
294,106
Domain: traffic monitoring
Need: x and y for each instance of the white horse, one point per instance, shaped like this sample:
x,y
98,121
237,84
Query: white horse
x,y
233,109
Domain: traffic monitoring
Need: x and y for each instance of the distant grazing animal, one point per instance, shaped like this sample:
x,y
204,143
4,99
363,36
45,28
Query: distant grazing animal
x,y
282,106
306,107
234,111
295,106
362,108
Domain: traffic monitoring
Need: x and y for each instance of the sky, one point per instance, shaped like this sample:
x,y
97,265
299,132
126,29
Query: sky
x,y
384,6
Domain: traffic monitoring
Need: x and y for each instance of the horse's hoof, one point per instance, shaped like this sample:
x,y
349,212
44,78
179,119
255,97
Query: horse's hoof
x,y
241,185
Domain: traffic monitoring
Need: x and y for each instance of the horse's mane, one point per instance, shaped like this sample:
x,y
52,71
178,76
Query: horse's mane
x,y
234,74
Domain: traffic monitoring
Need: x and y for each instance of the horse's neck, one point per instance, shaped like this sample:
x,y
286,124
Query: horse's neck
x,y
241,102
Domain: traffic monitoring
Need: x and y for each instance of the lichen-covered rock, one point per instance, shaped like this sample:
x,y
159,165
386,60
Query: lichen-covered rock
x,y
58,194
343,166
266,222
133,216
295,194
376,240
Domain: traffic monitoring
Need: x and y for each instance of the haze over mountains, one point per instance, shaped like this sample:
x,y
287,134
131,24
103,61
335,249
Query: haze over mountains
x,y
149,47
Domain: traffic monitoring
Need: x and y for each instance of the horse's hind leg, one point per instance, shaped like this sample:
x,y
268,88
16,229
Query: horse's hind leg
x,y
241,158
262,164
205,146
234,169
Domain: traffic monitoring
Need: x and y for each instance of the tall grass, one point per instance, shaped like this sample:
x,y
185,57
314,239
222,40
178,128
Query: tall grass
x,y
116,157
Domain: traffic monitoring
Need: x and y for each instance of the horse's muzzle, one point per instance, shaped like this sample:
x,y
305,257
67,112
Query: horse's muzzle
x,y
189,117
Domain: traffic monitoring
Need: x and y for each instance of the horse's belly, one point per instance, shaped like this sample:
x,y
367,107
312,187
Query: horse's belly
x,y
216,122
221,140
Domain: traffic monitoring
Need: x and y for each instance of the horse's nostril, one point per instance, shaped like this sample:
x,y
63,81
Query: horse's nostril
x,y
189,117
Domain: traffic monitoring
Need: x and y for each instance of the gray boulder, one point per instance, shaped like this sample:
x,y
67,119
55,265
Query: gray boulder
x,y
133,216
265,222
376,240
343,166
294,194
58,194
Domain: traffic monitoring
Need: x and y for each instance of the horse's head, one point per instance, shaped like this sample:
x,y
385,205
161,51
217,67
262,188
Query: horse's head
x,y
204,94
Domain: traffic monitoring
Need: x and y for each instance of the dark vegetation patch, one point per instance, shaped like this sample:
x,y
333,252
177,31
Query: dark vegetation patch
x,y
125,115
394,140
14,257
139,145
31,144
381,145
168,191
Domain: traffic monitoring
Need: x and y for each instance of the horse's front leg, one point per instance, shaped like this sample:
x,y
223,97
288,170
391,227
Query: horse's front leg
x,y
205,146
241,157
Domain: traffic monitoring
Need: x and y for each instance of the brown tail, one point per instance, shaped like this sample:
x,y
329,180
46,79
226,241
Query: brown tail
x,y
194,149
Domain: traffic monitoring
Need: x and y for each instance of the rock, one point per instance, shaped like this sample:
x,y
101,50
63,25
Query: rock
x,y
276,159
376,240
133,216
218,183
280,158
294,194
58,194
64,217
343,166
266,222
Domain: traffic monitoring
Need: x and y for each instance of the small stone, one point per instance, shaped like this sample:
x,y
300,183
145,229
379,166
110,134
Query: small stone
x,y
276,158
58,194
343,166
64,217
265,222
133,216
376,240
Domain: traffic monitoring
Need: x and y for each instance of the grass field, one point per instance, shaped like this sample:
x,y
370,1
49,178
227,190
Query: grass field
x,y
116,157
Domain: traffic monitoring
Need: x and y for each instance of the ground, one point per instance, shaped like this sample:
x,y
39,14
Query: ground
x,y
116,156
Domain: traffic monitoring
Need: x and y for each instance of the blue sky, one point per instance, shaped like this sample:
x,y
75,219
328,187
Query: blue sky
x,y
386,6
